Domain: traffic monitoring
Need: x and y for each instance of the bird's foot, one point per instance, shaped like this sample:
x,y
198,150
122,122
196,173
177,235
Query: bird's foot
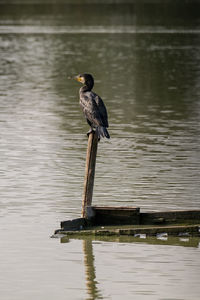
x,y
94,131
90,131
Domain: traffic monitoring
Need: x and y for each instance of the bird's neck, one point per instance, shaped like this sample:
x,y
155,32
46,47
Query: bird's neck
x,y
86,88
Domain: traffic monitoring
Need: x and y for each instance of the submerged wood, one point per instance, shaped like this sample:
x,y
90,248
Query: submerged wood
x,y
178,230
89,172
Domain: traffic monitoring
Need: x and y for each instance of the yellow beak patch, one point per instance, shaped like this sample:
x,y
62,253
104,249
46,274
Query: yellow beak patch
x,y
79,78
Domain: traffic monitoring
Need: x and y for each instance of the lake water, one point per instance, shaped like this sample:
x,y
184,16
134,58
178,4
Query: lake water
x,y
145,58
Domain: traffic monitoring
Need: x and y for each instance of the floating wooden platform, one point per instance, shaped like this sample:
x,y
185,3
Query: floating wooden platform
x,y
129,221
124,221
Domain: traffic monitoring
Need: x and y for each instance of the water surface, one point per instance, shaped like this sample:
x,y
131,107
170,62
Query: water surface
x,y
145,59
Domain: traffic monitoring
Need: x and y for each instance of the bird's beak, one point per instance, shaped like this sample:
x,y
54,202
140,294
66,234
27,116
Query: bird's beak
x,y
79,78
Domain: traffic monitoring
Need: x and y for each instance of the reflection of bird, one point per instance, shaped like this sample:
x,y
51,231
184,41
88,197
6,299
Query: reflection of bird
x,y
93,106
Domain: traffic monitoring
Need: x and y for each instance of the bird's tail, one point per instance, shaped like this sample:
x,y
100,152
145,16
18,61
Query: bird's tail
x,y
102,132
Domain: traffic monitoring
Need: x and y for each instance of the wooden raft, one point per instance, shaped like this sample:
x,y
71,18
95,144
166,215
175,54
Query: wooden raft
x,y
173,222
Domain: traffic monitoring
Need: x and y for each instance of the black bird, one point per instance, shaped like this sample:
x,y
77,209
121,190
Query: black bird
x,y
93,106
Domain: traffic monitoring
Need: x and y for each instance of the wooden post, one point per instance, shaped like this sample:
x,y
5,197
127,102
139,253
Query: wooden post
x,y
89,172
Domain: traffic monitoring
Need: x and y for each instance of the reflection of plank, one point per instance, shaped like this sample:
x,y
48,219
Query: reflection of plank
x,y
170,240
89,171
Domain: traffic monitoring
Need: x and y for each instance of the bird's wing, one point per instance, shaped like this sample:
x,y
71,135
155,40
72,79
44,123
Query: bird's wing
x,y
90,108
102,110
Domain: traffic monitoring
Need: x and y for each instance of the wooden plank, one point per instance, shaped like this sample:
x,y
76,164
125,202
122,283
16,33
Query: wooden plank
x,y
75,224
166,217
89,172
120,216
116,208
115,215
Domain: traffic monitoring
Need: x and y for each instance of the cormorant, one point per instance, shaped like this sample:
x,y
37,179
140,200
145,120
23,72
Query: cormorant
x,y
93,106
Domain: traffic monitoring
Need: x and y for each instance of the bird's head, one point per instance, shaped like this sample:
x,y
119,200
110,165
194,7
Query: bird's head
x,y
86,79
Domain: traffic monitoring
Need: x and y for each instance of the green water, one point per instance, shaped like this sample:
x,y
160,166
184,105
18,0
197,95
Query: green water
x,y
144,56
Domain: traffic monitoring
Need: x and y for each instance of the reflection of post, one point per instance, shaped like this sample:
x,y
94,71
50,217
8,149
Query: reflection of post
x,y
90,271
89,172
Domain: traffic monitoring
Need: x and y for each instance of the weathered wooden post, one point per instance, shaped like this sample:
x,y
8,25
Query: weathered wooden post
x,y
89,172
